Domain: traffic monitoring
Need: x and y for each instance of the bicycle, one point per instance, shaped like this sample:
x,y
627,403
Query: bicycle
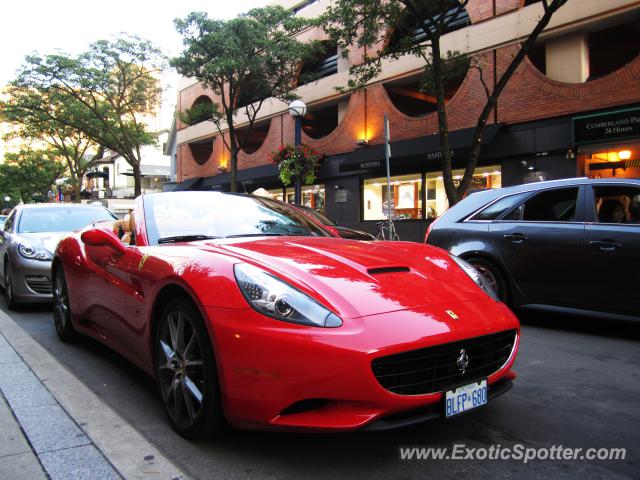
x,y
383,231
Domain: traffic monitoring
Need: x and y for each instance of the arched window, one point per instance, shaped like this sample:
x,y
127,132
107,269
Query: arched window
x,y
201,150
200,110
582,56
321,120
255,138
409,96
324,64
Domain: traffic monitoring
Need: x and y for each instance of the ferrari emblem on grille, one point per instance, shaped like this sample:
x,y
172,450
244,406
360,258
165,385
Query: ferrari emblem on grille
x,y
462,361
452,314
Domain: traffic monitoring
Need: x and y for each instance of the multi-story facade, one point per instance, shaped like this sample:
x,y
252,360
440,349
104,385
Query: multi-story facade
x,y
571,109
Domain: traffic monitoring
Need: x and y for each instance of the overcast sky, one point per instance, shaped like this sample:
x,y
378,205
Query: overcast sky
x,y
70,25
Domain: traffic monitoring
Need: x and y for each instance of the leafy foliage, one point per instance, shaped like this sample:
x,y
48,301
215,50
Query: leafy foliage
x,y
106,94
244,61
29,174
302,162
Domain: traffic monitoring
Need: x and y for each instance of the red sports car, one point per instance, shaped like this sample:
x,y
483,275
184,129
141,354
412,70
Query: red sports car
x,y
246,311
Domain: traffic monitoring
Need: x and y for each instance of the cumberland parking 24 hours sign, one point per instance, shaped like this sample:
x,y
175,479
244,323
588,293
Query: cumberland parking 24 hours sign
x,y
615,125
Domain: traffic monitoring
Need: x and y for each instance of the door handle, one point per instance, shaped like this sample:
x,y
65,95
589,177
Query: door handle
x,y
517,238
605,245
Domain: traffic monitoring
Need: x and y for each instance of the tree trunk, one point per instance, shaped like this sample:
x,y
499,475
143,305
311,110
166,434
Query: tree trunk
x,y
233,143
443,128
474,155
137,180
77,186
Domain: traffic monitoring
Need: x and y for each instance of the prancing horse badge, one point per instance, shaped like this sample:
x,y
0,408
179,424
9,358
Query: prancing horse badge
x,y
452,314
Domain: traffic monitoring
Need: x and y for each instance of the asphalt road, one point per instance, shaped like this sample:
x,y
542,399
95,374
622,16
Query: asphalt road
x,y
578,386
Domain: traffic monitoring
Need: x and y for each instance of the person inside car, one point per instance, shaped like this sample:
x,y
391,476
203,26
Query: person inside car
x,y
611,211
634,209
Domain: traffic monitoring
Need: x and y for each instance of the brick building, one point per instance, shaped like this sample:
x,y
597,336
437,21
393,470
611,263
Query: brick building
x,y
571,109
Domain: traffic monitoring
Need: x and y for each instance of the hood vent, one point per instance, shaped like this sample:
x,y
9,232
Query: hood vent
x,y
381,270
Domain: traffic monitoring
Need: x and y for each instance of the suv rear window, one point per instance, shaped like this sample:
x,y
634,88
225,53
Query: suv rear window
x,y
496,209
557,205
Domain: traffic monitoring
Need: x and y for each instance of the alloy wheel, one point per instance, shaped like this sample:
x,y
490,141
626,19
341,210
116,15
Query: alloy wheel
x,y
8,289
180,368
60,302
488,276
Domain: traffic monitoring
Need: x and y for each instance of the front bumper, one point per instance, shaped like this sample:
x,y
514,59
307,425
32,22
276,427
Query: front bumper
x,y
31,280
275,375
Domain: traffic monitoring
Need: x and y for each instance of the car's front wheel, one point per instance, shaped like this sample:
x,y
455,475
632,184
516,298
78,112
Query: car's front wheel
x,y
493,276
61,308
186,371
8,288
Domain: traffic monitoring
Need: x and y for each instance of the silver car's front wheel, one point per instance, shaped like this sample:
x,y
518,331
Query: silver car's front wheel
x,y
61,309
8,288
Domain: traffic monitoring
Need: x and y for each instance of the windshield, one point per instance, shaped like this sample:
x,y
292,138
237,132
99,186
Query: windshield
x,y
320,217
60,218
184,216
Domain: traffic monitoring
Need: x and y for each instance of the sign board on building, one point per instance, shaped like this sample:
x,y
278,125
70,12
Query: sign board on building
x,y
608,126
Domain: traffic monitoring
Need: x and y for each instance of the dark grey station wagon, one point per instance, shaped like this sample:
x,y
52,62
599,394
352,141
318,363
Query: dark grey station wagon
x,y
567,245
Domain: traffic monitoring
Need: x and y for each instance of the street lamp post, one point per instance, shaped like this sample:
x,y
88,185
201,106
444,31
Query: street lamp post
x,y
297,109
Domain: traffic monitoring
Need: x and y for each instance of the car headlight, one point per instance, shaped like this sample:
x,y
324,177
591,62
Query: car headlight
x,y
273,297
33,253
476,276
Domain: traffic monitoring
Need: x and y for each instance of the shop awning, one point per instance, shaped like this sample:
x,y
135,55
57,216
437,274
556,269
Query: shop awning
x,y
419,149
246,175
188,184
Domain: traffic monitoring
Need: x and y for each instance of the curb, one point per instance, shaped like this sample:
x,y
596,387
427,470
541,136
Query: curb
x,y
126,450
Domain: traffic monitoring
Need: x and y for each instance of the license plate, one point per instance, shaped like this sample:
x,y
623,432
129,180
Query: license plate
x,y
465,398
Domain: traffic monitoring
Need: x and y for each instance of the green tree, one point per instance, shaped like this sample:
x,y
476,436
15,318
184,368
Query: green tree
x,y
244,61
368,23
28,110
108,93
30,174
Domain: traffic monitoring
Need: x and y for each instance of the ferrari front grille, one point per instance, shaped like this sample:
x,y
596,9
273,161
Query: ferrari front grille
x,y
439,368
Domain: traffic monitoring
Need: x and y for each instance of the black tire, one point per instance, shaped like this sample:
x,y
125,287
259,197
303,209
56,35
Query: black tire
x,y
493,275
61,308
8,288
186,372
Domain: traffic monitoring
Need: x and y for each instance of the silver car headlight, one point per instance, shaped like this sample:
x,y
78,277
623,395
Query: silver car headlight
x,y
476,276
32,252
277,299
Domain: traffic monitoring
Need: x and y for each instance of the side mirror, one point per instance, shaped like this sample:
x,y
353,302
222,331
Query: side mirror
x,y
97,237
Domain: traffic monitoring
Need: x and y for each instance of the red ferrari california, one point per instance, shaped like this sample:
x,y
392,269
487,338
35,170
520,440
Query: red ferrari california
x,y
247,312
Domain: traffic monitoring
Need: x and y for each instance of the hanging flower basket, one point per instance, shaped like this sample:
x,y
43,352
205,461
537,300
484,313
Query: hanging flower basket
x,y
302,162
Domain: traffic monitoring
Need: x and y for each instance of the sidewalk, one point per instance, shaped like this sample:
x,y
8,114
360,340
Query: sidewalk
x,y
53,426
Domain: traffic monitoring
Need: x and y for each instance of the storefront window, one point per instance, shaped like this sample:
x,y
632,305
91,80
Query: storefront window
x,y
312,197
406,197
437,202
618,161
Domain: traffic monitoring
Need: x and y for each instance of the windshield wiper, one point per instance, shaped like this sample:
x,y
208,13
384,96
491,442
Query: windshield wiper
x,y
256,235
185,238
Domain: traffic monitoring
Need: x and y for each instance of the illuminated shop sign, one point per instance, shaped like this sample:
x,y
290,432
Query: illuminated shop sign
x,y
618,125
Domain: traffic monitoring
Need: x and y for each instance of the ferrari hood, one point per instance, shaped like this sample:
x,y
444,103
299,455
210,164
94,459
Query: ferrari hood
x,y
360,278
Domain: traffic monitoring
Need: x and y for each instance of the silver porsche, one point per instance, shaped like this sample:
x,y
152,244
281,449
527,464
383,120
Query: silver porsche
x,y
30,236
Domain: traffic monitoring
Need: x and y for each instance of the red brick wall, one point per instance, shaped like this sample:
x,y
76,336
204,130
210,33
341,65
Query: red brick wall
x,y
529,96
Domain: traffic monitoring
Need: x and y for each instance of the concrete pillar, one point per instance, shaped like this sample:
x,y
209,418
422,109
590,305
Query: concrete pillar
x,y
567,58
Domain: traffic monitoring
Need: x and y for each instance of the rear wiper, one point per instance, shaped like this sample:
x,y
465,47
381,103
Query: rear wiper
x,y
256,235
185,238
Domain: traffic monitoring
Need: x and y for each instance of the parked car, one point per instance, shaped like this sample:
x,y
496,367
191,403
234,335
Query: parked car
x,y
244,309
567,245
27,243
337,230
